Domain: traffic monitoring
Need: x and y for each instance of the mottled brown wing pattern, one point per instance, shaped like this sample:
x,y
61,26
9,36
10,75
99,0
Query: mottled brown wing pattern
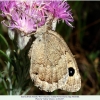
x,y
51,64
73,83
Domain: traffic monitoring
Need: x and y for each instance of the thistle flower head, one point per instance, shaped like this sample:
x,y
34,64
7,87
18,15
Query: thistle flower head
x,y
28,16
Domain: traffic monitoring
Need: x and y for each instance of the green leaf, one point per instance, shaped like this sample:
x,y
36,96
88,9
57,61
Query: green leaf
x,y
94,55
4,40
4,55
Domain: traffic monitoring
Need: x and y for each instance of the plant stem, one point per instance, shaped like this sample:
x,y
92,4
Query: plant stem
x,y
8,52
10,86
26,91
5,85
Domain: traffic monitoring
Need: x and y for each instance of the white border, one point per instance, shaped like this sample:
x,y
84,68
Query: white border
x,y
51,97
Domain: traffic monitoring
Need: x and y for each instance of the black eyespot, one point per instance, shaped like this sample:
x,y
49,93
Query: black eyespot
x,y
39,40
71,71
36,73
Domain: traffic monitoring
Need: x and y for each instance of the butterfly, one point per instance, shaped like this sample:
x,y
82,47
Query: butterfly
x,y
52,65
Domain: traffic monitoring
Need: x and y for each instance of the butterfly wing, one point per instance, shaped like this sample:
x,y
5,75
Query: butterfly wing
x,y
73,83
49,63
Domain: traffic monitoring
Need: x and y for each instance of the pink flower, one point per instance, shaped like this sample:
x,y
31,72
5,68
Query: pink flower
x,y
27,16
